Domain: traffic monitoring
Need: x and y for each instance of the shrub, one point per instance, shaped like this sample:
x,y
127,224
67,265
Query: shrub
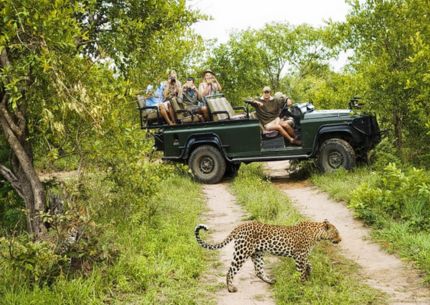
x,y
402,195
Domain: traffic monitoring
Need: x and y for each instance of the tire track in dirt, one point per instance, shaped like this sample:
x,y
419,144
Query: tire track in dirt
x,y
382,271
222,216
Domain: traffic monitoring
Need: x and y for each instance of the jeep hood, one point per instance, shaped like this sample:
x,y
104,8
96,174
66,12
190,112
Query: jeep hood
x,y
325,114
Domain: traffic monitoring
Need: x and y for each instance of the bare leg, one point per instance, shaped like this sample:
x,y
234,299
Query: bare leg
x,y
257,259
205,112
171,112
165,115
282,131
276,125
288,128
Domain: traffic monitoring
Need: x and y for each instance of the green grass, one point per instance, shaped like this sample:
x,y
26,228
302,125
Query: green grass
x,y
159,261
340,184
334,279
396,236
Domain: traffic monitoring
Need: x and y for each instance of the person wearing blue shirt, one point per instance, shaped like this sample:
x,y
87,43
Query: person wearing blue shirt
x,y
155,98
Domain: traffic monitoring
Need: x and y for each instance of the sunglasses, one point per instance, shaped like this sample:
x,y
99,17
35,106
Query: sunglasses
x,y
266,91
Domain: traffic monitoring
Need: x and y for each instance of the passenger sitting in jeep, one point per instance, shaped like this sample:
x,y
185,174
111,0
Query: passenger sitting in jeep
x,y
268,109
172,90
190,99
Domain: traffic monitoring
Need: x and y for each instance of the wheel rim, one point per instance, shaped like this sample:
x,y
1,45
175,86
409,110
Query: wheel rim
x,y
335,159
207,165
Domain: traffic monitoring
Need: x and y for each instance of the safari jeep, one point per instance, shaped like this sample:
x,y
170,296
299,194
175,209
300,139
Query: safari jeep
x,y
215,149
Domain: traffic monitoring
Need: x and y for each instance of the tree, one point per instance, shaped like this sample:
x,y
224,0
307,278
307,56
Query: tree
x,y
391,43
56,74
254,58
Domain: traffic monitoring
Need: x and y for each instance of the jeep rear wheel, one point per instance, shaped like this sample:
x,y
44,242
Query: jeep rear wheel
x,y
335,153
207,164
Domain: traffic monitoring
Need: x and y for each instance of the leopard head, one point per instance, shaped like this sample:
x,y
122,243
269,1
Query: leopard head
x,y
330,232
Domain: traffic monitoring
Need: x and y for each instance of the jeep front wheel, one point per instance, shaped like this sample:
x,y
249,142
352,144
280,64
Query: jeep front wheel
x,y
207,164
335,153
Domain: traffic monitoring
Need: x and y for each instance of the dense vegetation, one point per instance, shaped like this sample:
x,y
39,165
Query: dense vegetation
x,y
69,75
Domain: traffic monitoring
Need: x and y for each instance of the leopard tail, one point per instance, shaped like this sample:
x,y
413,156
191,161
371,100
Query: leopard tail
x,y
205,245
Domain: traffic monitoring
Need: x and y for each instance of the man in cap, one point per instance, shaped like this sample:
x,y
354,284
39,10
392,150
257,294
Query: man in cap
x,y
268,109
209,85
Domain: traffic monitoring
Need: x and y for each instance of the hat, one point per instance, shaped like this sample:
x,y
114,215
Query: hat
x,y
266,88
280,95
208,71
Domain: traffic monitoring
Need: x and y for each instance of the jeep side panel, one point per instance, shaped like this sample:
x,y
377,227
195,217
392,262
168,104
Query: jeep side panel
x,y
235,138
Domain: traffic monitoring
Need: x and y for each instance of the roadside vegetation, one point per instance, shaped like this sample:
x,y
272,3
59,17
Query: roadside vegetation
x,y
141,251
394,201
118,232
334,279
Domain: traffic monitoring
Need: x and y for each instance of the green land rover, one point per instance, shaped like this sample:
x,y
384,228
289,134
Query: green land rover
x,y
215,149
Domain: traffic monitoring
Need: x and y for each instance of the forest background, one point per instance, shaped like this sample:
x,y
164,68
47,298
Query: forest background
x,y
70,72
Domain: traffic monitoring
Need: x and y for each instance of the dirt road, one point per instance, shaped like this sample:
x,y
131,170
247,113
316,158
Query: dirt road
x,y
222,216
383,271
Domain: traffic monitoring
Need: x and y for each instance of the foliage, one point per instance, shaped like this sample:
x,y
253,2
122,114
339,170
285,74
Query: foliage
x,y
333,279
391,42
401,195
340,184
67,68
12,217
158,263
252,59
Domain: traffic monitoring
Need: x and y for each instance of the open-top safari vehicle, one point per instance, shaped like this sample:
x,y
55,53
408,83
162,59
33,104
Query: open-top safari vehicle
x,y
214,149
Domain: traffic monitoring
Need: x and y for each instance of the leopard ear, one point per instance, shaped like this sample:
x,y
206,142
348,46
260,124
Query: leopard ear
x,y
326,224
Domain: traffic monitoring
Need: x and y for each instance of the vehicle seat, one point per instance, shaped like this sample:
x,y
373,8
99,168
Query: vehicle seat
x,y
183,115
220,109
149,115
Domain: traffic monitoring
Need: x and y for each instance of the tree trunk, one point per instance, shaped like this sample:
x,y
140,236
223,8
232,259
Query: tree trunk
x,y
27,183
22,176
398,132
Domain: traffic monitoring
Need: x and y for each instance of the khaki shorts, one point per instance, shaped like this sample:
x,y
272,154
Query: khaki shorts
x,y
270,125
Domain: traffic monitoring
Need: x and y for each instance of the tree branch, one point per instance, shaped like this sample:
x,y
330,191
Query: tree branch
x,y
5,113
4,59
10,176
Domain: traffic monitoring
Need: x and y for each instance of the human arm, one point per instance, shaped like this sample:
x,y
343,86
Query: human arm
x,y
204,90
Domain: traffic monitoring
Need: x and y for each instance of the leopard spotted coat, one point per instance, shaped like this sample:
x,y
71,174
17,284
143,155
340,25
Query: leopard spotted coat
x,y
253,239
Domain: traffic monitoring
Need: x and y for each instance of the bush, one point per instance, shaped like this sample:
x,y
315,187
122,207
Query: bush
x,y
383,154
402,195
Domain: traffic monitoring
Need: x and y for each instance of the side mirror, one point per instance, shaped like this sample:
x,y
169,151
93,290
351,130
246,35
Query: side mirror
x,y
354,103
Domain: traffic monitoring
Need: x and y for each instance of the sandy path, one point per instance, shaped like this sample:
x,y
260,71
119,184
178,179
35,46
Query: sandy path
x,y
223,215
381,270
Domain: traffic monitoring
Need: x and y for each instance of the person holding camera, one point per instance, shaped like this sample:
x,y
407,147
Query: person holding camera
x,y
191,102
172,93
209,85
173,87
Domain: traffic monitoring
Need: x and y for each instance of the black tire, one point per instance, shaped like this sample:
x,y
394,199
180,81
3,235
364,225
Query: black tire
x,y
335,153
231,170
207,164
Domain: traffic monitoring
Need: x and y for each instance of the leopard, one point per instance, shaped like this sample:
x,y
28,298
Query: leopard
x,y
254,239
